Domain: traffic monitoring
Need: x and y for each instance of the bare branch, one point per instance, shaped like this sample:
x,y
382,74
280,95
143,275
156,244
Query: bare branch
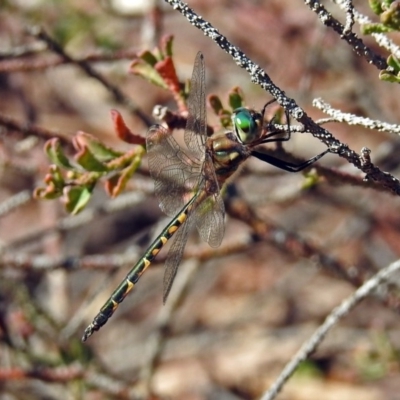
x,y
338,313
352,119
118,95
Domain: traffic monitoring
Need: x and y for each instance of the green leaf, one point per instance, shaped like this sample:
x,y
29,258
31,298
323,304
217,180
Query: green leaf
x,y
367,29
116,184
56,177
388,77
311,179
48,193
376,6
148,58
236,98
394,63
167,45
56,154
99,150
225,118
147,72
89,162
75,198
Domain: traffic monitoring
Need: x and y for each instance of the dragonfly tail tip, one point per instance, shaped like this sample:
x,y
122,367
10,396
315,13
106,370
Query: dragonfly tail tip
x,y
88,332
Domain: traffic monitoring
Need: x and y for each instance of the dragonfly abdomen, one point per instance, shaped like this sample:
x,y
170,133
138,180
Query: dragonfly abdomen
x,y
134,275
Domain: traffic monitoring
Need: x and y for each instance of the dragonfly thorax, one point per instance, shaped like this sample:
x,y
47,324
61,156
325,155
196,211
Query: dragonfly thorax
x,y
227,153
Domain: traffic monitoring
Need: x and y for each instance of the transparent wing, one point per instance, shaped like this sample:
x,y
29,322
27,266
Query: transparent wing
x,y
175,255
175,175
210,213
209,217
196,126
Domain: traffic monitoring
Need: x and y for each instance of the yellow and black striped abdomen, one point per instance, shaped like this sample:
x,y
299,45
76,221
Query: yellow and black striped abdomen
x,y
136,272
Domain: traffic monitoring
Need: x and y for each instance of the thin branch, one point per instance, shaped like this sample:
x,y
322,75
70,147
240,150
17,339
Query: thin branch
x,y
14,202
110,262
68,374
260,77
28,65
156,341
22,51
59,375
337,177
29,129
351,119
350,37
109,384
124,201
294,244
380,38
288,241
349,8
118,95
338,313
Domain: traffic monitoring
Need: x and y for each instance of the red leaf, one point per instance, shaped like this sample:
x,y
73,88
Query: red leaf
x,y
123,132
111,185
166,69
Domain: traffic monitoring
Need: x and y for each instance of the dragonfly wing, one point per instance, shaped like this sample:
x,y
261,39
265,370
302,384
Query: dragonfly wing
x,y
175,255
209,216
210,213
175,175
196,126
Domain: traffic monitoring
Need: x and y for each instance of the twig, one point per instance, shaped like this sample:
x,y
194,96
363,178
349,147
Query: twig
x,y
156,341
60,375
29,129
349,8
14,202
380,38
351,119
118,95
260,77
351,38
294,244
287,241
116,389
110,262
122,202
22,51
27,65
339,312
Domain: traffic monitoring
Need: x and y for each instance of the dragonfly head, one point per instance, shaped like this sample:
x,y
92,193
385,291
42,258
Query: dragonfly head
x,y
247,125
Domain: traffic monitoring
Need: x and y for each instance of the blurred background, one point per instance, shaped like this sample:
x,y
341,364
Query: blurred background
x,y
242,312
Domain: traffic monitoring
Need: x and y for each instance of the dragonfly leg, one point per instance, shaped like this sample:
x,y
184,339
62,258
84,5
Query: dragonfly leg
x,y
277,162
266,105
269,137
286,165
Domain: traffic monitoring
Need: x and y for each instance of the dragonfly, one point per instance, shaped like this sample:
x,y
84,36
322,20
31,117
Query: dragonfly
x,y
188,182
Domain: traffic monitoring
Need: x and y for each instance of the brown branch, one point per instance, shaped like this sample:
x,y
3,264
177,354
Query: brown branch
x,y
117,94
28,129
29,65
60,375
292,243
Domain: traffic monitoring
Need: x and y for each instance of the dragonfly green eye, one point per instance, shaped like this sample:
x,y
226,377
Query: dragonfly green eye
x,y
245,124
